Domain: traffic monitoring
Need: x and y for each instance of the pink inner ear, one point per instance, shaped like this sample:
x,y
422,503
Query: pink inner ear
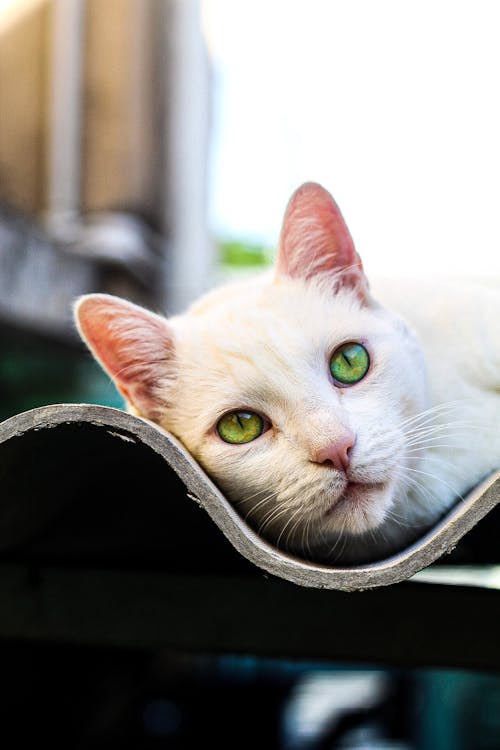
x,y
134,346
315,239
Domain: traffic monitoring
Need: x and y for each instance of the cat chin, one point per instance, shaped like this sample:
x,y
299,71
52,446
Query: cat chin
x,y
350,530
360,509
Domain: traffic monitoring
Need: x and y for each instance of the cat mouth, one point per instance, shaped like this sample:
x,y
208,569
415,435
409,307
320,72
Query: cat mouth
x,y
355,495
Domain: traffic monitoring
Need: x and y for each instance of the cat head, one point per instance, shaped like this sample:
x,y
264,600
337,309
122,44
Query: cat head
x,y
292,390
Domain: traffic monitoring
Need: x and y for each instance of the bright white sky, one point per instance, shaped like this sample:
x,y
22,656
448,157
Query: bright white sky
x,y
393,106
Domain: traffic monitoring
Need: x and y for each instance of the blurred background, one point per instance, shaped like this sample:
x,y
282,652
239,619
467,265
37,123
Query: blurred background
x,y
148,149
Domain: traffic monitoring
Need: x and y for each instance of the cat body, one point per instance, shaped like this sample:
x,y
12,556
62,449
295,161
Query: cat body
x,y
341,421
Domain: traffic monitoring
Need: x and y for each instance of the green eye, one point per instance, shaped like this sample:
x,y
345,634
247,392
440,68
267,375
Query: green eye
x,y
240,427
349,363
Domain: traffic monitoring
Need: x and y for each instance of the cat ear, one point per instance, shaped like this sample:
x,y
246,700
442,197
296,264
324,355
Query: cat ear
x,y
315,240
134,346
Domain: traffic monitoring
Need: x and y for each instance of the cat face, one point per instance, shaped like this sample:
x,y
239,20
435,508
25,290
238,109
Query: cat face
x,y
292,390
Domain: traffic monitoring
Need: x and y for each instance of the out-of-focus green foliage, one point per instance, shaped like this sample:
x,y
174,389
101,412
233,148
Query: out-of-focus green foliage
x,y
237,253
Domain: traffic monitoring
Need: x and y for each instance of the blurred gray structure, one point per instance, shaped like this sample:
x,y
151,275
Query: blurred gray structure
x,y
103,140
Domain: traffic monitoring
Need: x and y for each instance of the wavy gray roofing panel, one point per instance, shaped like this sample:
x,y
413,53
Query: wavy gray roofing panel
x,y
126,429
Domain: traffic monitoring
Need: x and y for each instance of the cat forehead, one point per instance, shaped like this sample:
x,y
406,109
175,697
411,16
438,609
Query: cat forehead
x,y
291,315
265,300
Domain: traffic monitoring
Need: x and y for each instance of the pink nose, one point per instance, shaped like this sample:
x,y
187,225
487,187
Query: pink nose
x,y
337,453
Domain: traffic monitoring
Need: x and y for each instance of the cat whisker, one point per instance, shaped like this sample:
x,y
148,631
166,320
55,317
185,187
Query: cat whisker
x,y
245,499
292,531
337,541
414,482
436,477
427,446
431,412
294,490
397,518
460,428
432,429
344,545
447,431
343,537
297,511
372,534
273,516
308,531
434,438
258,505
305,532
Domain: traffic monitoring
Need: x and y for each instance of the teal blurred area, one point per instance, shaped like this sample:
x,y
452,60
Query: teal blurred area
x,y
37,375
42,360
139,700
459,710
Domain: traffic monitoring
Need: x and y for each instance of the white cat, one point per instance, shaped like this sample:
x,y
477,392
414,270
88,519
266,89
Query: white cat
x,y
341,429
